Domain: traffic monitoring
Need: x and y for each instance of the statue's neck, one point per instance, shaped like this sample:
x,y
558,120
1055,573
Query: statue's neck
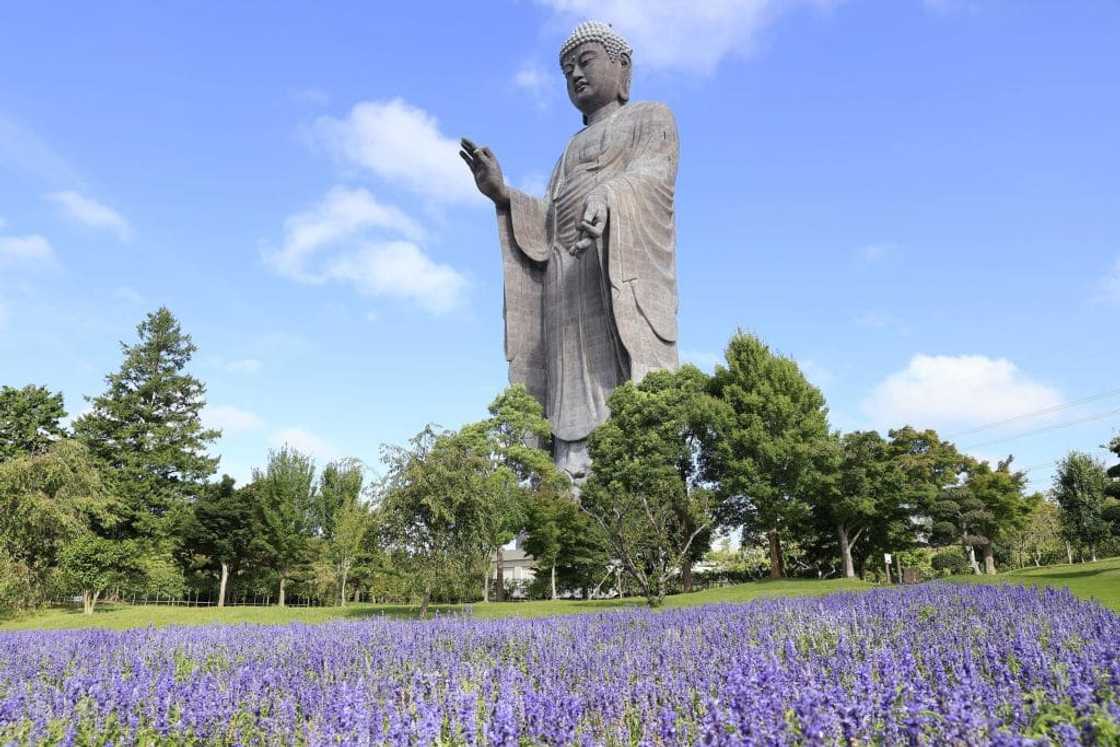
x,y
602,112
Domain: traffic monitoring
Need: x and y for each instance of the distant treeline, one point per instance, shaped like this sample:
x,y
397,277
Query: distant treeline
x,y
124,502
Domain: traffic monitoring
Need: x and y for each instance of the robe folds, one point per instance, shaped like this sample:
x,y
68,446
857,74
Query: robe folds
x,y
578,326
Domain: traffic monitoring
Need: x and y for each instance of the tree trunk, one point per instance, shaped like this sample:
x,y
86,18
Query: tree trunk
x,y
554,581
1037,559
281,600
846,552
499,578
222,585
972,560
424,601
342,589
1092,553
686,575
1069,553
776,568
87,608
989,560
486,585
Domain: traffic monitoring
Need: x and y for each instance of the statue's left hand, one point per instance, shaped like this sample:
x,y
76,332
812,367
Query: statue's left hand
x,y
593,223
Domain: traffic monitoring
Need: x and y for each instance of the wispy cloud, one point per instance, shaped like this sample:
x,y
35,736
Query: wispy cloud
x,y
532,80
874,252
90,212
128,294
24,151
1110,285
231,419
245,365
684,34
32,248
306,442
402,144
350,236
342,214
942,391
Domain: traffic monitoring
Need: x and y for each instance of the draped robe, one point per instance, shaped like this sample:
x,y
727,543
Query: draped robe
x,y
578,326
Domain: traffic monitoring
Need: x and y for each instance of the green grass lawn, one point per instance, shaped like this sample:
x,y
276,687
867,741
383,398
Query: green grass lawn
x,y
1099,581
127,616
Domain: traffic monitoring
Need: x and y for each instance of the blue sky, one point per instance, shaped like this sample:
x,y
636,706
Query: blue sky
x,y
917,200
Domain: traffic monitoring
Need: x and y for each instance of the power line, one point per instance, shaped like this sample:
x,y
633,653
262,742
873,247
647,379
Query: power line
x,y
1036,413
1067,424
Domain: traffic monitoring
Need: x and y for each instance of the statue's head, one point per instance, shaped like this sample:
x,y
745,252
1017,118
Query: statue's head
x,y
596,64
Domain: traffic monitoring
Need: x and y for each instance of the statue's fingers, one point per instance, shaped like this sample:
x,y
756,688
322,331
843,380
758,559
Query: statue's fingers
x,y
469,161
468,146
487,152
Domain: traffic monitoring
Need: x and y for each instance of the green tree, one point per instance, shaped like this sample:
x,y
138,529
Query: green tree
x,y
768,444
1040,536
862,491
340,484
222,529
1005,507
46,501
516,436
353,527
92,564
1080,489
146,429
30,420
283,496
432,508
645,491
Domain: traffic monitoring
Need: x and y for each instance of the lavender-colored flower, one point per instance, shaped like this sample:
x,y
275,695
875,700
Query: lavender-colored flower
x,y
936,664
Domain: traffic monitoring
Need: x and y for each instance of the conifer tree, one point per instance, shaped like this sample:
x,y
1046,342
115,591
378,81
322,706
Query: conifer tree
x,y
147,431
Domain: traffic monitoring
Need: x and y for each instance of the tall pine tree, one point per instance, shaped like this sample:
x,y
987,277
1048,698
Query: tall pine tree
x,y
146,428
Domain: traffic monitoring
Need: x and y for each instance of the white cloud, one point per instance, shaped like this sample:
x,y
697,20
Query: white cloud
x,y
231,419
403,145
305,441
1110,285
400,269
128,295
342,214
817,374
942,391
31,248
245,365
881,320
22,150
92,213
874,252
389,267
535,82
683,34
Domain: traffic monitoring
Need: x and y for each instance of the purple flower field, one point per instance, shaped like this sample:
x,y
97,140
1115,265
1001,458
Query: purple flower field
x,y
936,664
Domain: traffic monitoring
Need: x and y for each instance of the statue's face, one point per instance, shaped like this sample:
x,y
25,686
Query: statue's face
x,y
593,79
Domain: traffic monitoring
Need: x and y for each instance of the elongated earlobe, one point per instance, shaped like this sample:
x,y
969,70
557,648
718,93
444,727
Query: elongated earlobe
x,y
624,84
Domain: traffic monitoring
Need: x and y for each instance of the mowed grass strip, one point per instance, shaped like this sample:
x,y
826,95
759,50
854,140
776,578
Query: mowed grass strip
x,y
134,616
1098,581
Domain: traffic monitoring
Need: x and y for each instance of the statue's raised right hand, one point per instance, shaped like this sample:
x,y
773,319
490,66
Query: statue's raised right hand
x,y
487,172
